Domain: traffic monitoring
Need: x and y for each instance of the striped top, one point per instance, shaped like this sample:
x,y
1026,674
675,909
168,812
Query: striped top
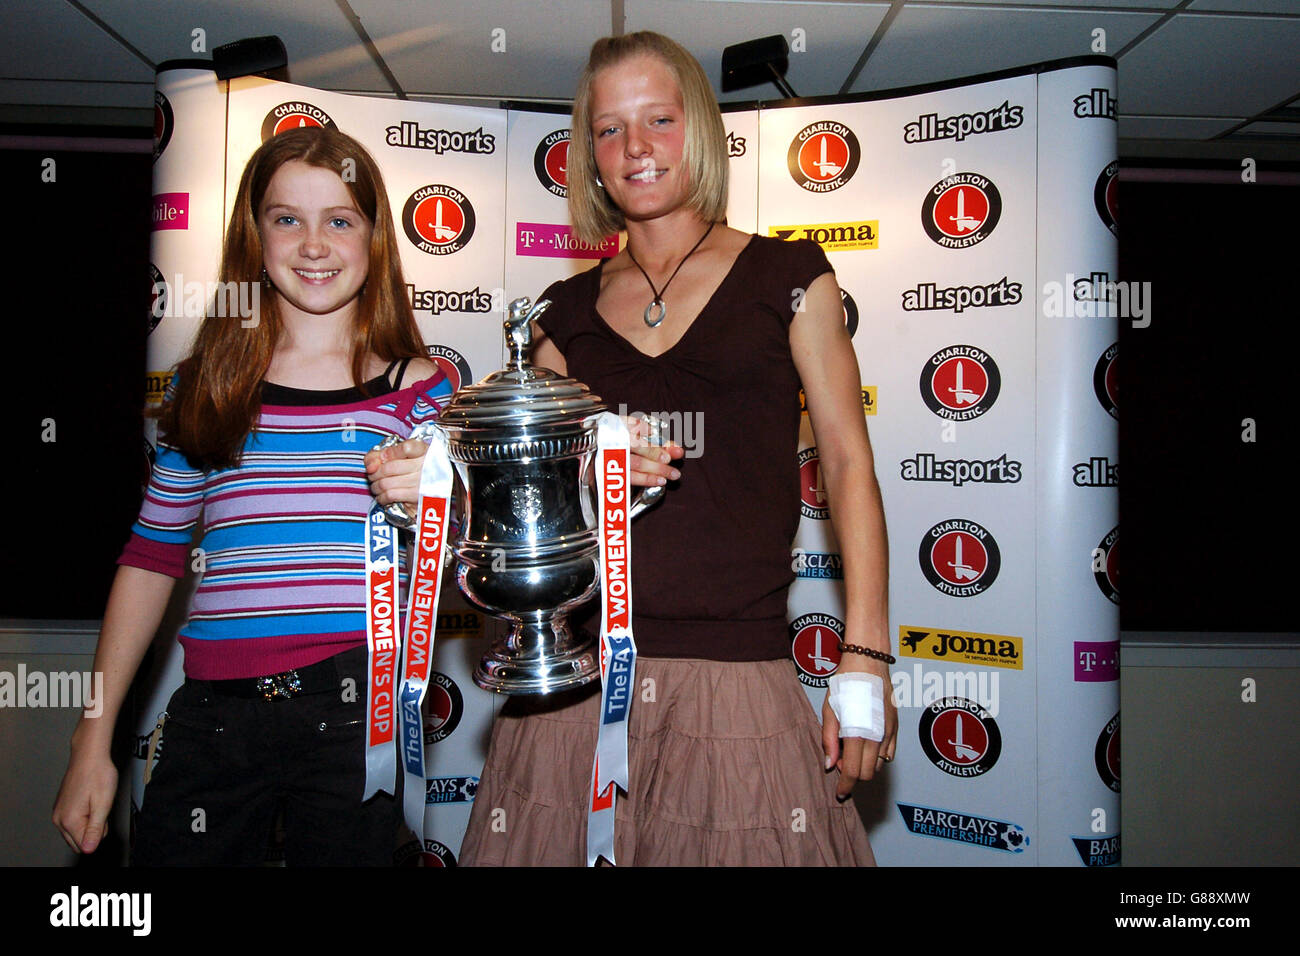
x,y
282,558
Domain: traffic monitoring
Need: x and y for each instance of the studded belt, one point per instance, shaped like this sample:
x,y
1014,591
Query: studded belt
x,y
313,679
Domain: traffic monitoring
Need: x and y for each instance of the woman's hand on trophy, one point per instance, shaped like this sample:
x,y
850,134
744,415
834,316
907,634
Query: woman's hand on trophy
x,y
652,456
394,472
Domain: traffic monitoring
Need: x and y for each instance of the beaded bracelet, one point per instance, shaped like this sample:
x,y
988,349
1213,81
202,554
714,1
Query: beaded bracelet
x,y
868,652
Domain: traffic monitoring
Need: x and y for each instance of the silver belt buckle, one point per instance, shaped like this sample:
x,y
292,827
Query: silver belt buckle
x,y
284,685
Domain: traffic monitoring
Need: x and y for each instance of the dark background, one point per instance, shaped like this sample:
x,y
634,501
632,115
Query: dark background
x,y
77,252
1206,519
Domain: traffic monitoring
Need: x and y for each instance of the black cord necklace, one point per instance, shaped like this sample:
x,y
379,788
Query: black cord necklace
x,y
658,300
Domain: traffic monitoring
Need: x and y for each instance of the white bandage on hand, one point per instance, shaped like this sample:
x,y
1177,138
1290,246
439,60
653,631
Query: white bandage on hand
x,y
858,701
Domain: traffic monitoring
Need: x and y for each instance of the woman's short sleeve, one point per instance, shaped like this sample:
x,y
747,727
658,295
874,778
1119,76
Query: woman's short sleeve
x,y
561,320
803,261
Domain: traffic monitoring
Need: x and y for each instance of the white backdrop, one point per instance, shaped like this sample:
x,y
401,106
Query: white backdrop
x,y
946,213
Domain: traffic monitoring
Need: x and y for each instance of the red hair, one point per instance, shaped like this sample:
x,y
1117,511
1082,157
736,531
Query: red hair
x,y
217,398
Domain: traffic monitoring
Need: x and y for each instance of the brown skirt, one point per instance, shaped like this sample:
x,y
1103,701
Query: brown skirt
x,y
725,764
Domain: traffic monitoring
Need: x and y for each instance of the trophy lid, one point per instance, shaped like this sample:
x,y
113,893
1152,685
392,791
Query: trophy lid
x,y
521,395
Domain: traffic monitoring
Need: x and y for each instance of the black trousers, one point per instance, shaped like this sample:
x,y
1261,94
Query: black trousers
x,y
227,765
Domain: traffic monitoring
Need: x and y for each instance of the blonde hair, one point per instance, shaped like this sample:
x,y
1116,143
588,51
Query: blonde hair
x,y
704,153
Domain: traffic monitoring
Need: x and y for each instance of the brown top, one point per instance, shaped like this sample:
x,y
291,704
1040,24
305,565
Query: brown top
x,y
711,563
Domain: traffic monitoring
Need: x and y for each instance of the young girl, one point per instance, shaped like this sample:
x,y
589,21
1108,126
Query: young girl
x,y
263,434
691,316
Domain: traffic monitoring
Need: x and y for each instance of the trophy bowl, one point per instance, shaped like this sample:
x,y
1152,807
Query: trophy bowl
x,y
523,444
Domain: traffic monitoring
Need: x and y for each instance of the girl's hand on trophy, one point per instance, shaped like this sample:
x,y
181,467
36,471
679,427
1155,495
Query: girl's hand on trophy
x,y
394,472
652,458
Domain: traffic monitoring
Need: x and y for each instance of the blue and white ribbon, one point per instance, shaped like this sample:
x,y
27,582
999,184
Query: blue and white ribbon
x,y
433,513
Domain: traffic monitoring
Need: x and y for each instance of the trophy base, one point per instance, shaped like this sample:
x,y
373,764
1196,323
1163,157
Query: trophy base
x,y
537,658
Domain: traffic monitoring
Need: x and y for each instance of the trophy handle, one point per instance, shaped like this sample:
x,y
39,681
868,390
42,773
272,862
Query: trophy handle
x,y
647,500
398,514
651,496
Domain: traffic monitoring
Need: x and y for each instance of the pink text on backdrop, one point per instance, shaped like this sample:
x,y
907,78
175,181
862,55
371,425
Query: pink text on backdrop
x,y
171,211
556,241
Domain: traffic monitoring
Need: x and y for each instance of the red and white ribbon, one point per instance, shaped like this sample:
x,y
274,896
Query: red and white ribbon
x,y
421,624
617,648
382,639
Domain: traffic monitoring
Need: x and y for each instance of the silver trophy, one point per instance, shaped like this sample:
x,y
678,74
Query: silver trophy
x,y
523,445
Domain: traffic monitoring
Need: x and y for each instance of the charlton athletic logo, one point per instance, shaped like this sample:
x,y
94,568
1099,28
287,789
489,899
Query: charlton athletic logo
x,y
1106,754
163,123
444,706
823,156
452,364
433,854
960,383
438,219
437,854
293,115
959,558
960,737
551,163
1105,196
1105,380
812,493
815,647
1105,565
961,210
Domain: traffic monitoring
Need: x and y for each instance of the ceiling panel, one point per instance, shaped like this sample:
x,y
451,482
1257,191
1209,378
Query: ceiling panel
x,y
322,46
1172,127
927,42
49,38
78,93
1272,129
833,34
1206,68
1247,6
1109,4
1213,66
448,48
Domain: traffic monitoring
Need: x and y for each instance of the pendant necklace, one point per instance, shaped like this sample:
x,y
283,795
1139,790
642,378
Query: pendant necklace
x,y
658,300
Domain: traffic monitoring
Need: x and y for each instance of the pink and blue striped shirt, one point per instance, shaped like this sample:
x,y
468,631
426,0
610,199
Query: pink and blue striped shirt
x,y
283,548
